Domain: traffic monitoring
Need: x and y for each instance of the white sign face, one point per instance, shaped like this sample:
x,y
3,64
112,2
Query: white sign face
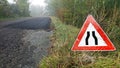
x,y
92,38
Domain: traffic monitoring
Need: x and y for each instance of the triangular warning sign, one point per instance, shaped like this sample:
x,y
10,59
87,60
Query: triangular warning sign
x,y
92,38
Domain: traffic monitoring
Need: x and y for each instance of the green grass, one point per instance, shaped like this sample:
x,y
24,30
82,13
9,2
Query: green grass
x,y
7,19
61,55
11,19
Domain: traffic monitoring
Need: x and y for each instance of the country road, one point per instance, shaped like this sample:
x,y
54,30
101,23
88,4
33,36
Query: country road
x,y
23,43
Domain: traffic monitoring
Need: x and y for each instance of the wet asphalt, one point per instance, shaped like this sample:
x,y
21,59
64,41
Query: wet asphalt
x,y
23,43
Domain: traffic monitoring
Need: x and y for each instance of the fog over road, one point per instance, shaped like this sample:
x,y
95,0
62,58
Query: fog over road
x,y
24,42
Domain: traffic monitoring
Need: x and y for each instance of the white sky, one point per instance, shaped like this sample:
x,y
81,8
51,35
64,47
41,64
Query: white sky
x,y
10,1
38,2
33,2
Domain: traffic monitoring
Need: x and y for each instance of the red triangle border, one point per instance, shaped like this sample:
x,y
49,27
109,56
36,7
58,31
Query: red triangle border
x,y
90,19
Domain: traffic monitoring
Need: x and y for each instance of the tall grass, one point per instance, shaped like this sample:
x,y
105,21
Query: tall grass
x,y
61,55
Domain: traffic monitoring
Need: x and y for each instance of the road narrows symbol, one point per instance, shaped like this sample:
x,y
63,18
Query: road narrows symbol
x,y
93,35
92,38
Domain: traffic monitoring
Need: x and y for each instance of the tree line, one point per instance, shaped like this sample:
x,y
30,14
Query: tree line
x,y
18,9
74,12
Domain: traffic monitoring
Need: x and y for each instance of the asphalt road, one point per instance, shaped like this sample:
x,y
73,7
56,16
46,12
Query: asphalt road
x,y
23,43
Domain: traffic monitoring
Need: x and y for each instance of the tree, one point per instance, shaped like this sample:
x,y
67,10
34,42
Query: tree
x,y
14,11
20,8
4,6
23,7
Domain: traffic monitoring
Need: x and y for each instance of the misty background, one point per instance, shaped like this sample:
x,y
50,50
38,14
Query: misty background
x,y
37,8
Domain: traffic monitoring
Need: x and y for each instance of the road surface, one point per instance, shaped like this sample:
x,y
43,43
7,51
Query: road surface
x,y
23,43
